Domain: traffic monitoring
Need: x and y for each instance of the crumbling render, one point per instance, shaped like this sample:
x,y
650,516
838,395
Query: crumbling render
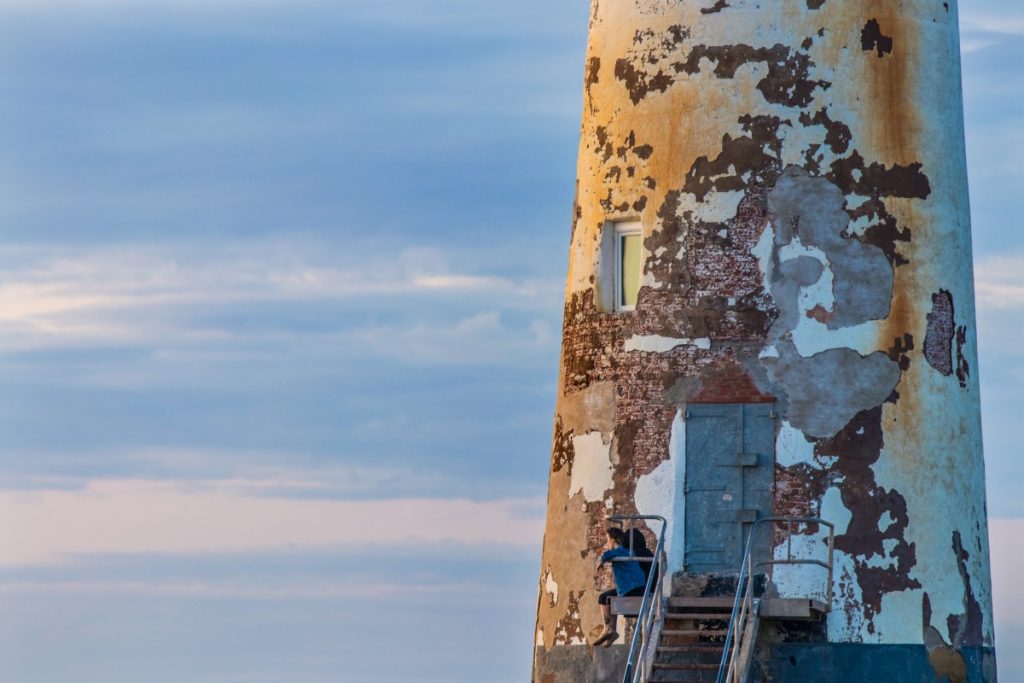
x,y
789,238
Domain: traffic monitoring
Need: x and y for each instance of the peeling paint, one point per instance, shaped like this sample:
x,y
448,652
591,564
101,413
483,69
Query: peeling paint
x,y
798,174
871,38
551,586
592,467
657,344
938,344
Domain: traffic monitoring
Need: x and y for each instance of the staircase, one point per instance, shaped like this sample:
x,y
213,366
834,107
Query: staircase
x,y
686,639
692,640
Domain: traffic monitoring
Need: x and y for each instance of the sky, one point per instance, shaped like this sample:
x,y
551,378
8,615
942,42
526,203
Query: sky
x,y
280,304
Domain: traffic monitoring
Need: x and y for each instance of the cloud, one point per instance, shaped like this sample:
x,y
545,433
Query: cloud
x,y
999,283
1005,535
1000,23
975,44
64,297
247,590
244,473
436,15
114,516
457,282
172,4
1008,595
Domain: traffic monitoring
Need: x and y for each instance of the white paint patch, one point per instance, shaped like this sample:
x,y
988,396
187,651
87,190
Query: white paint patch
x,y
860,226
811,337
944,454
796,249
769,352
591,467
847,626
827,461
551,586
882,561
793,448
657,344
655,491
762,251
803,581
833,510
661,493
855,201
676,539
892,623
799,139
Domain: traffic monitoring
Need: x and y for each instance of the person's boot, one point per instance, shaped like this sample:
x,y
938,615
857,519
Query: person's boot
x,y
610,635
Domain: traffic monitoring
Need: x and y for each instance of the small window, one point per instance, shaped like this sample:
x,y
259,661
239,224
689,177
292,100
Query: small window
x,y
628,265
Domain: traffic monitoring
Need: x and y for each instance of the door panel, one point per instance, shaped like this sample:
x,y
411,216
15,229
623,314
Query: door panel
x,y
730,461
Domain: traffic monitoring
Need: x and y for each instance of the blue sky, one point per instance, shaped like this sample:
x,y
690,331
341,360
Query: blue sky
x,y
279,326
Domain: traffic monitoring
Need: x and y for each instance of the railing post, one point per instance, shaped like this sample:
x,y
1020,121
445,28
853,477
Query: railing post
x,y
743,604
831,562
636,664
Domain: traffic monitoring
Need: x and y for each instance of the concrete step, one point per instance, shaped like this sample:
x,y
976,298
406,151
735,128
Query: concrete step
x,y
702,603
688,660
699,616
685,666
679,676
708,633
711,649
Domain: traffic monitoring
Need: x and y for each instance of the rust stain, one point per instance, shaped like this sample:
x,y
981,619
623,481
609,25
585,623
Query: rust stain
x,y
646,155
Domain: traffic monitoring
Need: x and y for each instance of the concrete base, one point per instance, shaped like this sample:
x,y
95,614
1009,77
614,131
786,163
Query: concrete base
x,y
580,664
711,585
793,663
853,663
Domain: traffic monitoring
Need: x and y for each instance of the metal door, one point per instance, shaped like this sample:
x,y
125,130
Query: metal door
x,y
730,464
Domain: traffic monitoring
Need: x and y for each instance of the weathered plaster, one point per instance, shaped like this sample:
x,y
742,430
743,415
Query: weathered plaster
x,y
592,467
551,587
802,581
792,447
815,406
657,344
661,493
938,343
799,175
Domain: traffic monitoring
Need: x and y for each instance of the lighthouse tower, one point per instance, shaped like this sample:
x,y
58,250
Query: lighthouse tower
x,y
770,313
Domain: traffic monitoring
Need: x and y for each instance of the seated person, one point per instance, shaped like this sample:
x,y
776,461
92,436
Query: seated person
x,y
642,552
629,580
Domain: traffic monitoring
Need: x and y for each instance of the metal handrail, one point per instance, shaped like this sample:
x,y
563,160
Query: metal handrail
x,y
650,607
744,608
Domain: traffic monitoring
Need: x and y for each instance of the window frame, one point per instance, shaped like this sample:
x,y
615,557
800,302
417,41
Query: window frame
x,y
622,230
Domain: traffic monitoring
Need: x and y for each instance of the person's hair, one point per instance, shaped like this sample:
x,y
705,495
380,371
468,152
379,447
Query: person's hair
x,y
639,542
618,535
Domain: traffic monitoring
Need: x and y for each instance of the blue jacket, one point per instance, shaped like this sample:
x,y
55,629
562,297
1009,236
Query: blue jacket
x,y
628,575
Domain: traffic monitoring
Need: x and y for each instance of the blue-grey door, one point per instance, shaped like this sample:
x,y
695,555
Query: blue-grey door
x,y
730,470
